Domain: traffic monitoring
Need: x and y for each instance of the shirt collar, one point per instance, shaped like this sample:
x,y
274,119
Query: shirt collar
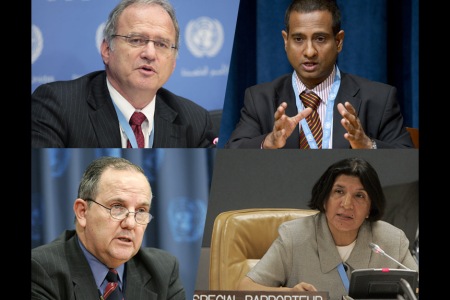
x,y
98,268
126,108
320,88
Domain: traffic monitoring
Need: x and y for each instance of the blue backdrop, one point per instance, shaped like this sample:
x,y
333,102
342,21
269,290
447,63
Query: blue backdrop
x,y
180,180
66,38
381,43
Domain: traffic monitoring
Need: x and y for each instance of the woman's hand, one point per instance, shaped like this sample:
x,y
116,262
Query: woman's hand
x,y
303,286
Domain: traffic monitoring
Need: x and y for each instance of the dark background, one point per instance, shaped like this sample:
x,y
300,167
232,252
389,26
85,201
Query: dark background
x,y
381,43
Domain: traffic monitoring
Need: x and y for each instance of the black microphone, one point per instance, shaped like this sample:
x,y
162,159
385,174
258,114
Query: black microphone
x,y
375,248
212,137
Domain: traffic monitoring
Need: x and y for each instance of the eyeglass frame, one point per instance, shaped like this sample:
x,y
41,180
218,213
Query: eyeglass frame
x,y
126,215
146,40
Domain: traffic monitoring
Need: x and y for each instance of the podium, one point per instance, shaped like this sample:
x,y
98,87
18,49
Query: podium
x,y
259,295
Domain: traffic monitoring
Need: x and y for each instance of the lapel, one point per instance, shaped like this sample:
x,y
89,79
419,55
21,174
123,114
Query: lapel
x,y
284,93
138,281
360,256
328,254
167,133
84,286
348,92
103,117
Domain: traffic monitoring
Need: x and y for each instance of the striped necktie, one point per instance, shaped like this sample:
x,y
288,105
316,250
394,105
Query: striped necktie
x,y
135,121
311,100
112,290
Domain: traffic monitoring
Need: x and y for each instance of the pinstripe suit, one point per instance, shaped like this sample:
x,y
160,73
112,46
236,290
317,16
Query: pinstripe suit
x,y
80,114
59,270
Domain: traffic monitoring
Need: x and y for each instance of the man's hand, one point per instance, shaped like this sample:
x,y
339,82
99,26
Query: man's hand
x,y
355,133
283,127
303,286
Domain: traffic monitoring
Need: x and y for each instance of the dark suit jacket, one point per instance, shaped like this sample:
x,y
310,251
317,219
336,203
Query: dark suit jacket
x,y
375,103
59,270
80,114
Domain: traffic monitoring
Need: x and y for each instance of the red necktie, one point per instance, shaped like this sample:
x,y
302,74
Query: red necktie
x,y
112,290
311,100
135,121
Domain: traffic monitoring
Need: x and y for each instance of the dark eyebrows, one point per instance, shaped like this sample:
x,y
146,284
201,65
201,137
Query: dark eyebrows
x,y
341,186
296,34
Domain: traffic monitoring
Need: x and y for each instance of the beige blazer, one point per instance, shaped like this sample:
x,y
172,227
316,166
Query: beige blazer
x,y
305,251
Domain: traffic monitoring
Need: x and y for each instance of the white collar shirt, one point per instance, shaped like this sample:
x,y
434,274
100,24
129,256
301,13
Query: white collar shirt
x,y
322,90
127,110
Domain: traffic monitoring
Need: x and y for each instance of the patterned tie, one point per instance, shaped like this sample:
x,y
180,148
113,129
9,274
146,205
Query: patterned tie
x,y
112,290
135,121
311,100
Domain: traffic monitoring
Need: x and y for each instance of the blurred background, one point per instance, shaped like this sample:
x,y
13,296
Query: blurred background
x,y
180,180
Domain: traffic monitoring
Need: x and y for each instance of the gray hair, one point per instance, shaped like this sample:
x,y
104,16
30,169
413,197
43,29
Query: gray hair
x,y
89,184
111,23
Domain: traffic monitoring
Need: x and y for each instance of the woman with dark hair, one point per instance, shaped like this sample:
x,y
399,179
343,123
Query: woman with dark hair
x,y
311,252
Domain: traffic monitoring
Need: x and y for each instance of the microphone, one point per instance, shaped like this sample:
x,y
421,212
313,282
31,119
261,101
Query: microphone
x,y
212,137
375,248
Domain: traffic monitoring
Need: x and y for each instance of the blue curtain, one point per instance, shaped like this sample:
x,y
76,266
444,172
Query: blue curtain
x,y
381,43
180,180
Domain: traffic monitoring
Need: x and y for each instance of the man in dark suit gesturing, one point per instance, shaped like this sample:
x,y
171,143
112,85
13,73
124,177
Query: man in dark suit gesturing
x,y
125,105
103,256
334,109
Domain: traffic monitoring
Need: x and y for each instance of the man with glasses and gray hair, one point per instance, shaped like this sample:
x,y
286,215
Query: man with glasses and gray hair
x,y
124,106
102,258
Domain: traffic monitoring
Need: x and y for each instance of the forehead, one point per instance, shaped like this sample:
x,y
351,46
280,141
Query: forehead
x,y
124,184
345,180
151,20
310,22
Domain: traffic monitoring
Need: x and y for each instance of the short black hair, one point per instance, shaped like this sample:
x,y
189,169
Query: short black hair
x,y
356,167
306,6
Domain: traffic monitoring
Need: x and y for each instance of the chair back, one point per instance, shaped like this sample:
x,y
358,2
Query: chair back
x,y
414,135
240,239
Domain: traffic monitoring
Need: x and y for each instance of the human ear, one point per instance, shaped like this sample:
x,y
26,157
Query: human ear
x,y
80,207
104,50
285,37
340,40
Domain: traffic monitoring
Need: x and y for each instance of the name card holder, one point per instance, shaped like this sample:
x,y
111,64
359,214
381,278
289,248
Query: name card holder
x,y
259,295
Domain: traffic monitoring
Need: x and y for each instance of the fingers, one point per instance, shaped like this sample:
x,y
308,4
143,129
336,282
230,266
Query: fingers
x,y
355,133
283,126
350,121
303,286
309,287
280,111
301,115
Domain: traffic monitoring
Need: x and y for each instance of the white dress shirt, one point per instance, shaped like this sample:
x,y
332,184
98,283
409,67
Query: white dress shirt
x,y
127,110
322,90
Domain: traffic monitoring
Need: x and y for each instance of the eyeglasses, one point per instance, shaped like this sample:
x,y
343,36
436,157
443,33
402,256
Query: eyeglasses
x,y
137,40
119,213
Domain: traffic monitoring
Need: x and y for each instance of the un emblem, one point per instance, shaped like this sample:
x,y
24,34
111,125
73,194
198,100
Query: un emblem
x,y
99,36
309,137
327,125
186,219
37,43
204,36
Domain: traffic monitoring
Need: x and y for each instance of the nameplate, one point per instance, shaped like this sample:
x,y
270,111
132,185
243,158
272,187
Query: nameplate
x,y
259,295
